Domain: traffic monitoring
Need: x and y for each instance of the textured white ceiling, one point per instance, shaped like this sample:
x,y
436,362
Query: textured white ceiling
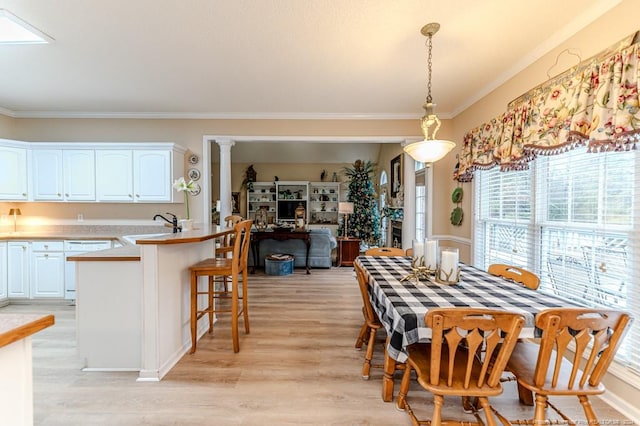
x,y
273,58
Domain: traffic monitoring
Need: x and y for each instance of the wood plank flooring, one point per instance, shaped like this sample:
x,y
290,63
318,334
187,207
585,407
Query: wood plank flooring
x,y
297,367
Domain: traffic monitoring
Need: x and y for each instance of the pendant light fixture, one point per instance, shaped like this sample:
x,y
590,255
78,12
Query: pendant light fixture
x,y
430,149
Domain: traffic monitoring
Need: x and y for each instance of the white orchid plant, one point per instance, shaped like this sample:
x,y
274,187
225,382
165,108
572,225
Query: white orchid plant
x,y
181,185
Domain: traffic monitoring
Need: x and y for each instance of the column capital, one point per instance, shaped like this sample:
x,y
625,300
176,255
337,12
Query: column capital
x,y
225,142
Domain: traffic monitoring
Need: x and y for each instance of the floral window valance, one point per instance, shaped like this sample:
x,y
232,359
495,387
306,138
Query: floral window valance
x,y
596,104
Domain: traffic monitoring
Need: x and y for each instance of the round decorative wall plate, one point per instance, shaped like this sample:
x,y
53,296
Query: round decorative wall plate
x,y
456,195
196,189
456,216
194,174
193,159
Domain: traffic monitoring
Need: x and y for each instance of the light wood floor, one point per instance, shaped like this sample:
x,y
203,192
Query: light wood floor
x,y
297,367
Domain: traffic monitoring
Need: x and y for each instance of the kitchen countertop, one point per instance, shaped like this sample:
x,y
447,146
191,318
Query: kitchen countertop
x,y
129,252
14,327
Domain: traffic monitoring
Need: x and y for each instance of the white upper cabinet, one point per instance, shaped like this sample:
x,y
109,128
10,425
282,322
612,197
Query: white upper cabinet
x,y
114,175
63,175
138,175
152,180
46,166
79,172
13,172
4,275
85,172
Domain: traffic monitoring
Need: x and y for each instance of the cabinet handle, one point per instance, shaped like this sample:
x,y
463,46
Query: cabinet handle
x,y
46,247
46,255
66,195
137,195
24,194
130,196
59,194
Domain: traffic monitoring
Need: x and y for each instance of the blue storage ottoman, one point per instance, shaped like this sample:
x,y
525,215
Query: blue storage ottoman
x,y
279,264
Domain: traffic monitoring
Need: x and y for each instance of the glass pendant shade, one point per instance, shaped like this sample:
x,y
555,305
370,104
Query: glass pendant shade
x,y
430,149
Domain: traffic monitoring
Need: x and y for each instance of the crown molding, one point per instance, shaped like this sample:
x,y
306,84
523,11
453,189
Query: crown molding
x,y
213,116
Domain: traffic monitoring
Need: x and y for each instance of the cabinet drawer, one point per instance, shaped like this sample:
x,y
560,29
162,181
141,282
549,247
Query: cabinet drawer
x,y
47,246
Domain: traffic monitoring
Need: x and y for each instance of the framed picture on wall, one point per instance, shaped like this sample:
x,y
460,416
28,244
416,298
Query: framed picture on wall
x,y
396,175
235,198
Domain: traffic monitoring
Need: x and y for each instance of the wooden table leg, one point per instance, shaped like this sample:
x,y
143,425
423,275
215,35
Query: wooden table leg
x,y
308,243
387,380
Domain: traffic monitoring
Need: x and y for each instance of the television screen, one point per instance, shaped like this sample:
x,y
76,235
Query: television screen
x,y
287,208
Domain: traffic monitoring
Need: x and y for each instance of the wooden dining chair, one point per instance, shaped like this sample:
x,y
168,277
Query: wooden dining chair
x,y
384,251
375,251
553,368
516,274
371,322
234,266
225,248
450,366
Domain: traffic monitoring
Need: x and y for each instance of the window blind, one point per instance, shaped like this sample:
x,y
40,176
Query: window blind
x,y
586,215
504,231
577,229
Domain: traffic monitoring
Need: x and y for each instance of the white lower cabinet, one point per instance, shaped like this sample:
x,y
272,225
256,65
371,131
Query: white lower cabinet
x,y
72,248
4,277
18,269
47,269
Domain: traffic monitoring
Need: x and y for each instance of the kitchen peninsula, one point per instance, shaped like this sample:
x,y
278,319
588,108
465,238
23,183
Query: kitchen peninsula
x,y
133,302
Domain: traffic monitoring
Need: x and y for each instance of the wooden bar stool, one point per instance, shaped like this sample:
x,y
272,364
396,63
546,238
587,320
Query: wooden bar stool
x,y
232,266
226,247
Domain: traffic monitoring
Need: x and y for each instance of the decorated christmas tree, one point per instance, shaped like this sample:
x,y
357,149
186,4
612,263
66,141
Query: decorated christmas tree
x,y
364,223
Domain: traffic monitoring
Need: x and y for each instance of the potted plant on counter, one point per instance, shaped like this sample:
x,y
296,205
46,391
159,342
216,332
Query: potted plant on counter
x,y
189,188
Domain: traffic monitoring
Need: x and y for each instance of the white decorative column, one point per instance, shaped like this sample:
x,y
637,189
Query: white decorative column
x,y
225,177
409,207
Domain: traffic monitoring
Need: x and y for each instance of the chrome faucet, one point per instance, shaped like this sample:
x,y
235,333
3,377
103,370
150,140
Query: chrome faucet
x,y
173,221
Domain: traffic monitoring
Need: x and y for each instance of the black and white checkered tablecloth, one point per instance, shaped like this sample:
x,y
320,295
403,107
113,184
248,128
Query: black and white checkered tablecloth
x,y
401,306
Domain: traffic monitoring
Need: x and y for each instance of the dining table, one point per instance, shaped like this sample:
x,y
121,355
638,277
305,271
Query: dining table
x,y
401,304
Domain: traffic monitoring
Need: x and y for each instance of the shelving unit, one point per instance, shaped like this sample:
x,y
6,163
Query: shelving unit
x,y
281,198
263,194
291,194
323,203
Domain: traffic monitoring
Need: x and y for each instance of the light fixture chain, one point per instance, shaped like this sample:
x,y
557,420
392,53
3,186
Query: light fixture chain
x,y
429,47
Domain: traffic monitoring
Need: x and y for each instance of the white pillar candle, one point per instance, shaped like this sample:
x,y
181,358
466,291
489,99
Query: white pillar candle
x,y
448,263
418,249
431,254
218,205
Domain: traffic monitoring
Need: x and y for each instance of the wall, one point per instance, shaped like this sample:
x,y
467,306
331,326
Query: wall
x,y
6,127
187,133
602,33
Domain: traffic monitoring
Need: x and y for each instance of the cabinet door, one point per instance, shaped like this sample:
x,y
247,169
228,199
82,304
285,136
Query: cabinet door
x,y
3,271
79,175
18,269
47,174
47,274
152,175
13,173
114,175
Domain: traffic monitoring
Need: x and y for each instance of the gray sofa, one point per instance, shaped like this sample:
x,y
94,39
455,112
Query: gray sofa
x,y
322,244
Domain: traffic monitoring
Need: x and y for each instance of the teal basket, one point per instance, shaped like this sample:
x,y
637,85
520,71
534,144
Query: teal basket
x,y
278,264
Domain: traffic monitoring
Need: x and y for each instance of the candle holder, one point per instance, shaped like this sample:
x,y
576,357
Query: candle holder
x,y
418,271
448,271
431,255
450,278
